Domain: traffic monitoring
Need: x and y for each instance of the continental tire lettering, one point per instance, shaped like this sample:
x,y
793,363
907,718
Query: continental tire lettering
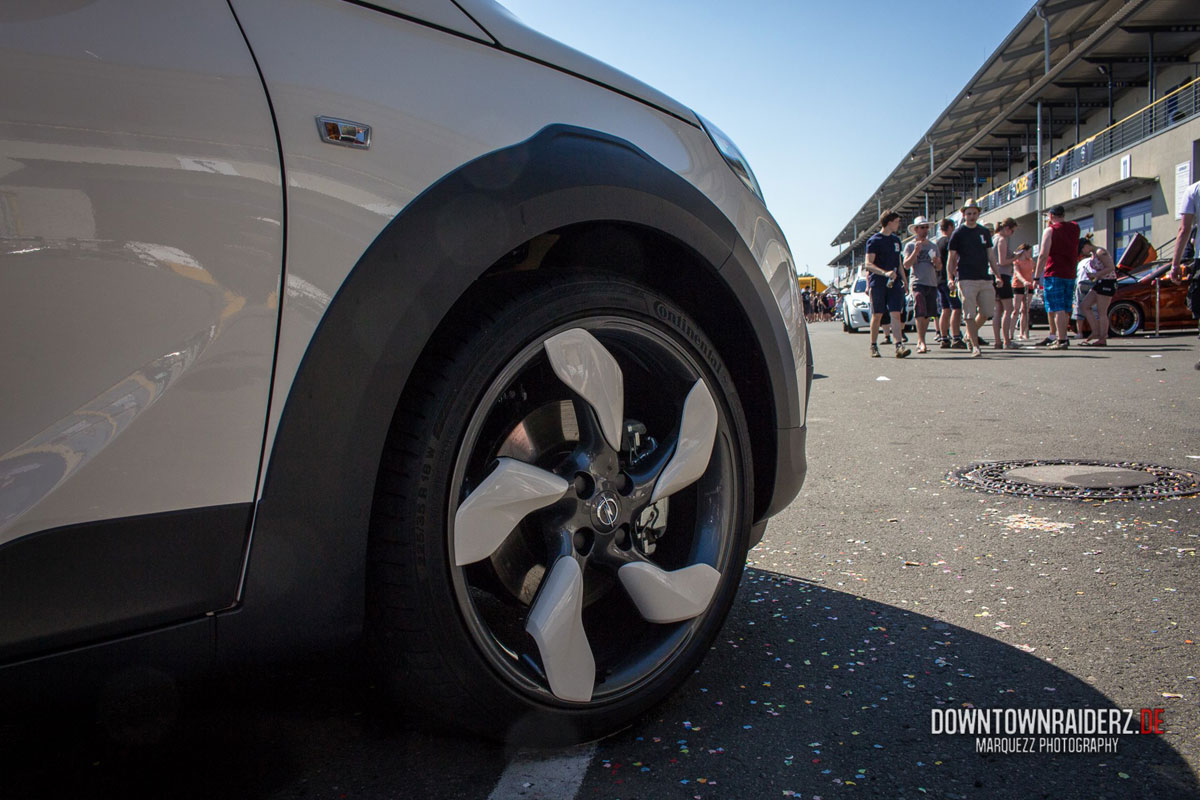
x,y
681,324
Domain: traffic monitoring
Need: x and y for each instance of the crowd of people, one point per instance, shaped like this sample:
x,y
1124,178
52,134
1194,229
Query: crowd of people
x,y
820,306
972,273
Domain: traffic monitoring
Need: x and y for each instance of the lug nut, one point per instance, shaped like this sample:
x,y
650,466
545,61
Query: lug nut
x,y
584,485
582,541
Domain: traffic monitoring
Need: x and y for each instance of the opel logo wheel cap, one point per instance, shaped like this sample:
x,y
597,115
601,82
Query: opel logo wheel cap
x,y
606,510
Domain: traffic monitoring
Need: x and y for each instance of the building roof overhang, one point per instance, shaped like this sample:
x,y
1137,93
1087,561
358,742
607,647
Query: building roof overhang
x,y
1091,42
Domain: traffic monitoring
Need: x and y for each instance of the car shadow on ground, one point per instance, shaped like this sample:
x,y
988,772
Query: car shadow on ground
x,y
313,729
814,692
808,691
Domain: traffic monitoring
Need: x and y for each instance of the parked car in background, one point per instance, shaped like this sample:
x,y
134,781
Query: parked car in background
x,y
857,304
503,376
1037,310
1135,306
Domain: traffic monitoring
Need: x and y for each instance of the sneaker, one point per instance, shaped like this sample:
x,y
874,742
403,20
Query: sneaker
x,y
976,352
874,350
944,344
959,344
1060,345
902,351
1047,342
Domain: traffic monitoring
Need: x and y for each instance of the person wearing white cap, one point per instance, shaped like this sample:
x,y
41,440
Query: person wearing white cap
x,y
922,260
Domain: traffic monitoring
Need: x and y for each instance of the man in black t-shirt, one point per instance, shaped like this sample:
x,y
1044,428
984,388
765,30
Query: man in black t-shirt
x,y
971,269
886,282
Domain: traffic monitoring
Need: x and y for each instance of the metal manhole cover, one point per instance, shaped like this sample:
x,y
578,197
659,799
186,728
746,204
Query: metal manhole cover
x,y
1077,480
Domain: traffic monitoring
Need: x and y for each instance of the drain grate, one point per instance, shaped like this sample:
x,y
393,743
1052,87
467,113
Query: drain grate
x,y
1077,480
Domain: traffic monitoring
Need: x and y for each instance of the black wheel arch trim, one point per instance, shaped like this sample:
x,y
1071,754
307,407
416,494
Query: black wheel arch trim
x,y
305,574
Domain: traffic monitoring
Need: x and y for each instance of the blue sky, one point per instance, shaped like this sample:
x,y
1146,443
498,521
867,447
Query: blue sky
x,y
824,98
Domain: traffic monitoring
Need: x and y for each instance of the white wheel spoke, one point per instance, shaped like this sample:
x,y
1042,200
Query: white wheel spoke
x,y
556,624
489,514
662,596
583,364
697,432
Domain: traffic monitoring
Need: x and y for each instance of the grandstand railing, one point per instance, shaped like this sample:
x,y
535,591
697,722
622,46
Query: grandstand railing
x,y
1172,108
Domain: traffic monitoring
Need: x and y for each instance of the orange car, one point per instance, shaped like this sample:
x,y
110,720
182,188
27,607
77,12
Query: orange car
x,y
1133,306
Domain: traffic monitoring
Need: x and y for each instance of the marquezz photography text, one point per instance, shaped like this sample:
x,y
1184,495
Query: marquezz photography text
x,y
1046,730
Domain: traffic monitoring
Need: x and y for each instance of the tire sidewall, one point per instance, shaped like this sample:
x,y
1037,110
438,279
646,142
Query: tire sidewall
x,y
533,317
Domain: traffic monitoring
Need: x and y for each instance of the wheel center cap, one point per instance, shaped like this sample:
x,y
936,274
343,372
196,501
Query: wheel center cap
x,y
606,510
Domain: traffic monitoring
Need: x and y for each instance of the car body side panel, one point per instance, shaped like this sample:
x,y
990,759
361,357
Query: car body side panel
x,y
90,582
512,34
347,344
141,214
426,123
441,13
307,557
140,249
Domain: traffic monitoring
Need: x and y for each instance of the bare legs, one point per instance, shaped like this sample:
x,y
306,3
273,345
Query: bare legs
x,y
1002,323
1021,311
1058,326
950,320
974,325
1095,308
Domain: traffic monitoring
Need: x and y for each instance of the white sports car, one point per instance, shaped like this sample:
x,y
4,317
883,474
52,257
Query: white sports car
x,y
382,319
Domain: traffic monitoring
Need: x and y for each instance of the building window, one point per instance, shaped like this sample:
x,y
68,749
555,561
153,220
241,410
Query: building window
x,y
1086,225
1128,221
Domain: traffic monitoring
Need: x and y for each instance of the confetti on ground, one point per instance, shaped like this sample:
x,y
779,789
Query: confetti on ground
x,y
1028,522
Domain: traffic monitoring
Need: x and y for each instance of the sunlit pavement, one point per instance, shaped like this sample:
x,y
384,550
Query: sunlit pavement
x,y
882,594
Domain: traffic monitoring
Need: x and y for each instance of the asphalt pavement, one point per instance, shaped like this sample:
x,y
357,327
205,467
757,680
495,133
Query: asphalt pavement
x,y
882,597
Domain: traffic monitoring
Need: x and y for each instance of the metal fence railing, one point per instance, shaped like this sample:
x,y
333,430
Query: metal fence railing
x,y
1174,107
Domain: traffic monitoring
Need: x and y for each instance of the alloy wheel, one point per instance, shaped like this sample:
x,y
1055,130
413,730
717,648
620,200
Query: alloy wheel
x,y
595,513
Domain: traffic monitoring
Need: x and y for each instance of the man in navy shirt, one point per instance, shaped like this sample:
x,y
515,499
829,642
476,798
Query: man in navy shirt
x,y
886,282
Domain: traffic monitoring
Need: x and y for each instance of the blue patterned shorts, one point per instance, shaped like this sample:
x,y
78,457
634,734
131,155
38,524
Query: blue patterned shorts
x,y
1060,294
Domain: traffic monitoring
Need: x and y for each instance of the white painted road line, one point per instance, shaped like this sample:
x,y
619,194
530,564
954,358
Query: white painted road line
x,y
538,775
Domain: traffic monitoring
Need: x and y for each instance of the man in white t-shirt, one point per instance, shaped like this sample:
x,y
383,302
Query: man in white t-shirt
x,y
1187,220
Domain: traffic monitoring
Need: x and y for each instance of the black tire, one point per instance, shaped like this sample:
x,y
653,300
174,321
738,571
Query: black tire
x,y
448,638
1124,319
